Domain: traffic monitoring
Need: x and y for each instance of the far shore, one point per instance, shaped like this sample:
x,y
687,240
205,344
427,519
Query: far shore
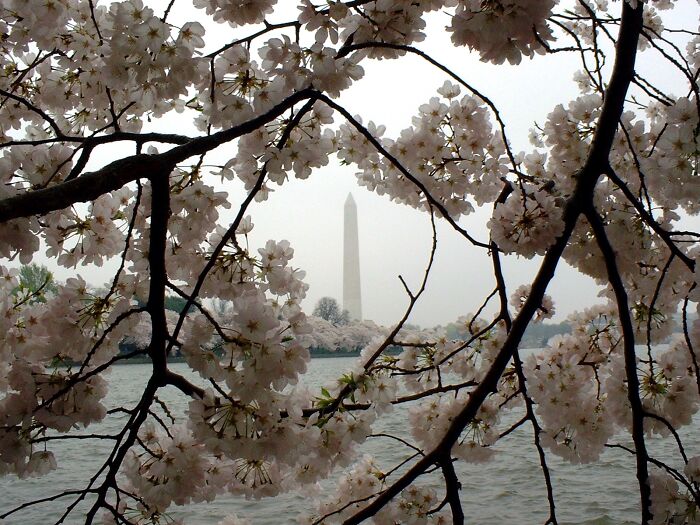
x,y
140,360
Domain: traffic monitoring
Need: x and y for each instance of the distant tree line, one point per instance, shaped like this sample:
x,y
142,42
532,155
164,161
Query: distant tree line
x,y
536,335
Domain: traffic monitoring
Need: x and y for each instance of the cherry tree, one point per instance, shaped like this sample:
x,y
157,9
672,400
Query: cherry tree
x,y
607,186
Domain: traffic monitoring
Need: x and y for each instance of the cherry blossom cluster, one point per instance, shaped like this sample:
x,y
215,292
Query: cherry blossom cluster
x,y
237,12
527,223
115,68
502,30
41,392
580,388
351,336
364,479
451,149
672,501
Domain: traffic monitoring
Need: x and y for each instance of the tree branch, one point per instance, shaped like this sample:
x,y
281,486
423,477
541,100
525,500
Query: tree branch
x,y
120,172
630,361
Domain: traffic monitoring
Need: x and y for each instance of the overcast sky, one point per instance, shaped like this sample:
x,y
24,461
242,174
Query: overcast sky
x,y
394,239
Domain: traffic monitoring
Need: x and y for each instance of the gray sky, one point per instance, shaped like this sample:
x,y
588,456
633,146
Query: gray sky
x,y
395,239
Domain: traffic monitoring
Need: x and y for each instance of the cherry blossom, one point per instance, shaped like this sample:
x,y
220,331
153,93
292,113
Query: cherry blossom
x,y
90,178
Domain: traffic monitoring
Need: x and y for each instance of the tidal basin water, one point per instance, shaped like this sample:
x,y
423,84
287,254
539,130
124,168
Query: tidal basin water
x,y
507,490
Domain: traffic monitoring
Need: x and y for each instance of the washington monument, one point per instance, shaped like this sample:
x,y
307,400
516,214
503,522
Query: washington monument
x,y
352,298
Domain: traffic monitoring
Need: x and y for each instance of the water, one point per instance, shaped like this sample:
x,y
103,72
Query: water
x,y
507,490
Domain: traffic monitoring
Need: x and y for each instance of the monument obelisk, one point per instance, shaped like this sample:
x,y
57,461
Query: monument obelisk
x,y
352,298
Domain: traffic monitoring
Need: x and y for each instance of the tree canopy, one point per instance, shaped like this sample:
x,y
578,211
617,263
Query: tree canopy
x,y
608,185
35,282
327,308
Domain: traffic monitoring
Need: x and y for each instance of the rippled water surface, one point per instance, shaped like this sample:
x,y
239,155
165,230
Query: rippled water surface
x,y
507,490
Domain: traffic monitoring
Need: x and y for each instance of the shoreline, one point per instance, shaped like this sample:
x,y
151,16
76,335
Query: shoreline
x,y
179,359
